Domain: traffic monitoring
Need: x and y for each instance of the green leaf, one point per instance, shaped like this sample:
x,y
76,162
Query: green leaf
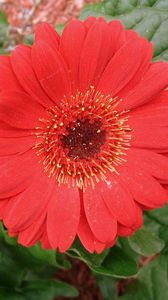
x,y
145,242
47,290
107,286
148,17
3,28
78,251
39,290
158,221
114,262
159,215
46,256
152,281
136,291
5,236
11,273
28,274
61,261
119,264
10,294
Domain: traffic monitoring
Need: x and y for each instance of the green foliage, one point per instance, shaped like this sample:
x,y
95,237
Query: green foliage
x,y
114,262
148,17
3,30
28,273
152,281
107,286
146,243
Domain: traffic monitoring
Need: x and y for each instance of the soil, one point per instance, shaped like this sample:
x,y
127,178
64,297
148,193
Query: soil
x,y
82,278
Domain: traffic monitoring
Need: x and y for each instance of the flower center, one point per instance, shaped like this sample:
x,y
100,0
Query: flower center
x,y
82,139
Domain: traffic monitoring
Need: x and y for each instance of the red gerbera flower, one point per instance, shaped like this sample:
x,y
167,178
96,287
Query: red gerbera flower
x,y
84,136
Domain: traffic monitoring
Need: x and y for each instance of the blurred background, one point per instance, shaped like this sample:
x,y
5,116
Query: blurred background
x,y
24,15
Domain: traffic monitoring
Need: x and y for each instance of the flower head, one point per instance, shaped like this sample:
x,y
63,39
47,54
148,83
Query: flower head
x,y
83,131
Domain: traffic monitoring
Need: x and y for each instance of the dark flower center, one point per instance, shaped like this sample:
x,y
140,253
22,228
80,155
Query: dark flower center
x,y
84,140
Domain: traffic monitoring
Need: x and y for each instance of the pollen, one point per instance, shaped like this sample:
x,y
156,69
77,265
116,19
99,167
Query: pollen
x,y
82,139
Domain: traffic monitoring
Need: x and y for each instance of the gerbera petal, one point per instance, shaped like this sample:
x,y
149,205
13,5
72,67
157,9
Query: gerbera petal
x,y
153,163
45,32
124,231
145,189
85,234
51,70
71,45
18,109
3,204
139,217
7,131
26,207
146,57
89,22
122,67
127,231
157,115
16,173
118,200
160,99
152,83
93,58
118,35
150,137
63,217
45,241
8,80
99,216
15,145
22,67
34,232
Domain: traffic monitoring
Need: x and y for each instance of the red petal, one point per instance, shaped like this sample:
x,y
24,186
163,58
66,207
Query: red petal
x,y
144,188
147,115
152,137
95,55
63,217
146,57
153,163
51,71
89,22
118,35
45,32
8,80
160,99
3,204
122,67
22,66
33,233
118,200
6,131
152,83
15,145
124,231
139,217
85,234
101,222
25,208
45,241
71,45
19,110
17,173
